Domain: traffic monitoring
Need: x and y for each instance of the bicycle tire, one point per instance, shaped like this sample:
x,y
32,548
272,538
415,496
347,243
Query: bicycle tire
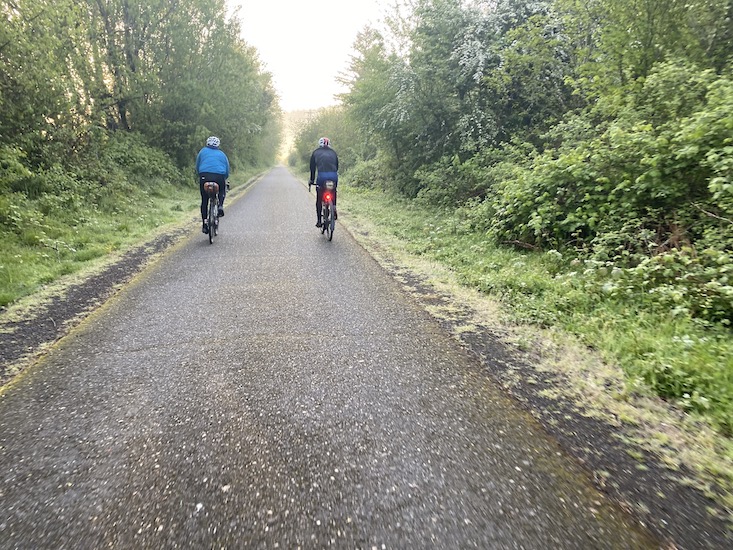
x,y
333,223
327,222
324,218
212,220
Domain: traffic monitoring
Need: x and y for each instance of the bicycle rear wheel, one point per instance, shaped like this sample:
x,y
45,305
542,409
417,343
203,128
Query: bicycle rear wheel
x,y
333,223
212,219
327,221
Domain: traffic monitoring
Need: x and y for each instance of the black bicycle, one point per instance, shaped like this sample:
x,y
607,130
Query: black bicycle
x,y
328,207
212,190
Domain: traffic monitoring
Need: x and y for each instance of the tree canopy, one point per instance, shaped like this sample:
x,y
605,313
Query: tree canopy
x,y
173,71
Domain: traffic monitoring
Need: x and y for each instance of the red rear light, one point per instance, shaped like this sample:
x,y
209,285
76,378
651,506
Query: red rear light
x,y
327,197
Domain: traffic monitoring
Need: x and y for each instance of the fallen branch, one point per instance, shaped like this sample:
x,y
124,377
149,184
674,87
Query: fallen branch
x,y
522,244
712,215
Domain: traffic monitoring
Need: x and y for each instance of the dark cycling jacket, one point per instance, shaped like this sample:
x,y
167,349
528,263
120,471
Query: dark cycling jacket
x,y
326,161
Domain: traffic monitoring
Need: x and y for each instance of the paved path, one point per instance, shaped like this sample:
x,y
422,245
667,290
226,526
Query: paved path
x,y
228,398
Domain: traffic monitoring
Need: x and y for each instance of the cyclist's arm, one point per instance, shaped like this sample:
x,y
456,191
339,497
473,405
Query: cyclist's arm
x,y
198,163
313,167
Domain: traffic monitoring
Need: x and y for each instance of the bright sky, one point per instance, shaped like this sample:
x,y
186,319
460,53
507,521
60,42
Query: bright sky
x,y
305,44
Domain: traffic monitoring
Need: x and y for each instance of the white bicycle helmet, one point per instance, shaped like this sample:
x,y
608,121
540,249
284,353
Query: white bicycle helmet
x,y
324,142
213,141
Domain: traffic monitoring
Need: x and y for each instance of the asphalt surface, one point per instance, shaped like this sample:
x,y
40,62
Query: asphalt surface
x,y
273,390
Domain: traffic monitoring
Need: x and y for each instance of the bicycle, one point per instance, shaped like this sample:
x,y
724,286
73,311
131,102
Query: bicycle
x,y
212,190
328,210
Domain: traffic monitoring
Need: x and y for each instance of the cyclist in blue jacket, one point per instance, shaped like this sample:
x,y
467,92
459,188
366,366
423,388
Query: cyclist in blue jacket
x,y
326,162
212,165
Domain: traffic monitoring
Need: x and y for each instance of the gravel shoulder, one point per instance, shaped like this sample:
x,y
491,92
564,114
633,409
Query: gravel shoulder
x,y
665,497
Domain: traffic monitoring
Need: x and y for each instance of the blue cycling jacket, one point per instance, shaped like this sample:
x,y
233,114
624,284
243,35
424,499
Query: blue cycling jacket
x,y
212,160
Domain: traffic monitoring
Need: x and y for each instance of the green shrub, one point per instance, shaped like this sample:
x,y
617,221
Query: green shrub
x,y
368,174
450,182
12,168
704,144
652,181
144,165
685,283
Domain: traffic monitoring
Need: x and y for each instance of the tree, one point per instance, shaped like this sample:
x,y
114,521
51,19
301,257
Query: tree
x,y
619,41
528,89
38,96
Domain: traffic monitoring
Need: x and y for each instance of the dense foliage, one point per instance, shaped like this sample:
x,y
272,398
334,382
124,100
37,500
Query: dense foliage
x,y
103,100
600,130
173,71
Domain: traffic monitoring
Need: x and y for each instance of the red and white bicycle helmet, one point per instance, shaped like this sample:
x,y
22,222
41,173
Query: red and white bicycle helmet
x,y
324,142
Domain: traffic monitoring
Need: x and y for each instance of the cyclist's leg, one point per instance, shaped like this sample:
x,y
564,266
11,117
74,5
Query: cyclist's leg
x,y
319,202
320,181
210,176
204,200
222,181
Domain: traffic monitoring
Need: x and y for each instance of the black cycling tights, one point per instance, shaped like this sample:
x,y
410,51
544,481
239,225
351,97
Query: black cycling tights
x,y
218,178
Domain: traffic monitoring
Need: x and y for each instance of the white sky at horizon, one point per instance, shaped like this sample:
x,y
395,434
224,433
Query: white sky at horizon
x,y
306,44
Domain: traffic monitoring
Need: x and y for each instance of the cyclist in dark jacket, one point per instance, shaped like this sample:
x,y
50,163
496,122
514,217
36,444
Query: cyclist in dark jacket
x,y
212,165
325,161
